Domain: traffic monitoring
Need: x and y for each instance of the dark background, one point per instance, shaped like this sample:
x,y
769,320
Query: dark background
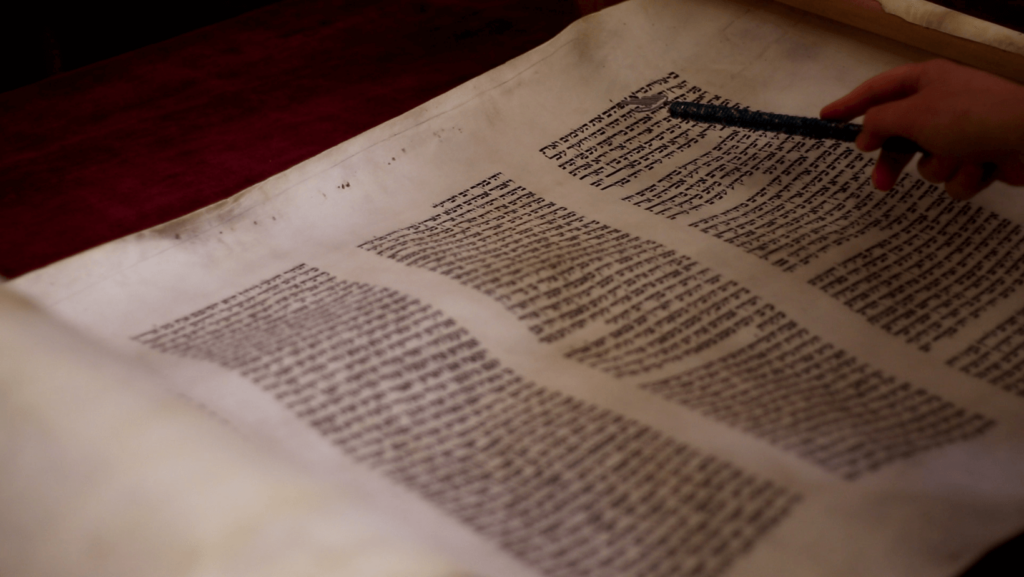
x,y
39,38
1009,13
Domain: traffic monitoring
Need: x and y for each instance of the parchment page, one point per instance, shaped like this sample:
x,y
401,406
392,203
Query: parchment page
x,y
107,473
550,331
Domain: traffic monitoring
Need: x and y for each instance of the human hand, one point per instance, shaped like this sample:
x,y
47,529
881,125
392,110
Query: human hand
x,y
970,123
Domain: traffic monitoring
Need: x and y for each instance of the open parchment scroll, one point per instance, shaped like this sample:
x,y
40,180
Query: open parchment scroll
x,y
541,332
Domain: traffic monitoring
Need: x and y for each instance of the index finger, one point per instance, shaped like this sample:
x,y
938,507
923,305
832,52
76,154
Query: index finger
x,y
894,84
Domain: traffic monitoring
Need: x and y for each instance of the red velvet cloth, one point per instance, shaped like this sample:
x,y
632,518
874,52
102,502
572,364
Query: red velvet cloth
x,y
137,140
